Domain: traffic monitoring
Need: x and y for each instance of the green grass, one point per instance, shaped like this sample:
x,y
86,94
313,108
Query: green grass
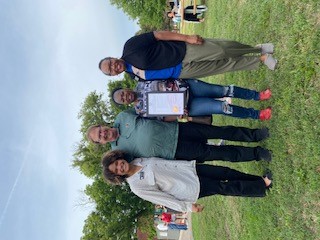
x,y
292,208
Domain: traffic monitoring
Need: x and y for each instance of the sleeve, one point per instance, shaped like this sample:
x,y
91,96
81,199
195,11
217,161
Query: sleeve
x,y
156,196
140,41
176,19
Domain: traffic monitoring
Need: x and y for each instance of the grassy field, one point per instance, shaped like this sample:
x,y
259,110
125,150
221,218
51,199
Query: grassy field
x,y
292,208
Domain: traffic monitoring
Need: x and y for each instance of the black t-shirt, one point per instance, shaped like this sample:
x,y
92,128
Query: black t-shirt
x,y
147,53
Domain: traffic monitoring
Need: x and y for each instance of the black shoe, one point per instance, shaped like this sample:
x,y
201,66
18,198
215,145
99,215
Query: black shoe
x,y
262,134
269,175
264,154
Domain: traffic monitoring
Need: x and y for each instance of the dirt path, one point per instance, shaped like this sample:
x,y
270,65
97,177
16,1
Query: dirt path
x,y
187,234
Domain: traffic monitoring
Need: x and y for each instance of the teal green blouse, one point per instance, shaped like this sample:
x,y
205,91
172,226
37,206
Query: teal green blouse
x,y
142,137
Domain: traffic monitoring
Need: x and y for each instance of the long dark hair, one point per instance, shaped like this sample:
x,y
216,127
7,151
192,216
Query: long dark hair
x,y
109,158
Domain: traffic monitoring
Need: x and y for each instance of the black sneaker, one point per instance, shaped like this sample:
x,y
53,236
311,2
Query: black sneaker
x,y
262,134
264,154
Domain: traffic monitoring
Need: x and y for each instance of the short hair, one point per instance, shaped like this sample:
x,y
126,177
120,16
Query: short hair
x,y
88,133
101,61
109,158
112,94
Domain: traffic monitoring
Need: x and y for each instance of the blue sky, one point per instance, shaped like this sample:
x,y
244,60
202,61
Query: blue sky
x,y
49,52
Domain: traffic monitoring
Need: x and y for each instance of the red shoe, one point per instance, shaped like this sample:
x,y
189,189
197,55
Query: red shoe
x,y
265,95
265,114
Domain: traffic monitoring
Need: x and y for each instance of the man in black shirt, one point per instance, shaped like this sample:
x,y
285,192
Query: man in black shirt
x,y
164,54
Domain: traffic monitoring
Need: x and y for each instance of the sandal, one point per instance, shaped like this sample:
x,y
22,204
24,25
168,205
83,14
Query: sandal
x,y
268,174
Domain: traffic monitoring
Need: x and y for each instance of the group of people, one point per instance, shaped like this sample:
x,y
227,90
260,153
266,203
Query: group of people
x,y
189,13
162,159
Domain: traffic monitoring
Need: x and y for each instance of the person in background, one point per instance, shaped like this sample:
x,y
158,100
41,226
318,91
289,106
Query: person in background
x,y
178,218
188,15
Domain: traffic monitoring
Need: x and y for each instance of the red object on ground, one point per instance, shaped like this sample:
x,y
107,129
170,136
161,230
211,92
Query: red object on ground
x,y
166,217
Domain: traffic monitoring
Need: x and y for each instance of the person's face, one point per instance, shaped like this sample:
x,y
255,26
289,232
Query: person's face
x,y
119,167
113,66
170,15
103,134
124,96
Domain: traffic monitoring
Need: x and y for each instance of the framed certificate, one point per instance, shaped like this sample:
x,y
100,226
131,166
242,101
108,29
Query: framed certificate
x,y
165,103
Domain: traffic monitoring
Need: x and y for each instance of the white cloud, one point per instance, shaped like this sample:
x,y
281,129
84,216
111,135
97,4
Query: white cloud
x,y
25,159
57,50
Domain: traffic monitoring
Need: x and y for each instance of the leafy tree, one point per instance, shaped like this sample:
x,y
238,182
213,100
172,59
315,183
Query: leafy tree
x,y
147,12
87,156
117,210
94,228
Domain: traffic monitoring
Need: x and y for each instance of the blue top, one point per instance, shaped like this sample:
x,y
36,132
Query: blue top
x,y
171,72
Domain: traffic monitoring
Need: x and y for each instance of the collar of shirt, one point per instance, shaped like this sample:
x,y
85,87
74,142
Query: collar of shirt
x,y
128,67
117,127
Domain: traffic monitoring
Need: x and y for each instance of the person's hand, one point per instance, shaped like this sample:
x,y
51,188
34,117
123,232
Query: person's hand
x,y
195,39
175,87
185,114
197,207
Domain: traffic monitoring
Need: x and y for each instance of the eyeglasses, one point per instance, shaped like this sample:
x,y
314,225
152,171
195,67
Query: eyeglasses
x,y
110,67
122,97
99,134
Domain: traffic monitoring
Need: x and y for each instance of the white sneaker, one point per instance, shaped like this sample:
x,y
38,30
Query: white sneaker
x,y
266,48
270,62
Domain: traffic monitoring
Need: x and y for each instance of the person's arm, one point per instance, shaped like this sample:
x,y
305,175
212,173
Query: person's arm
x,y
175,118
170,118
172,36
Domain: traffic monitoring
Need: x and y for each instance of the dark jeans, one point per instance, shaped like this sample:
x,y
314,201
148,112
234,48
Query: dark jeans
x,y
203,100
226,181
192,143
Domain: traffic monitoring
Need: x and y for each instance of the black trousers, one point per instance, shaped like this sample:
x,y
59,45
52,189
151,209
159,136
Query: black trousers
x,y
229,182
190,16
192,143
